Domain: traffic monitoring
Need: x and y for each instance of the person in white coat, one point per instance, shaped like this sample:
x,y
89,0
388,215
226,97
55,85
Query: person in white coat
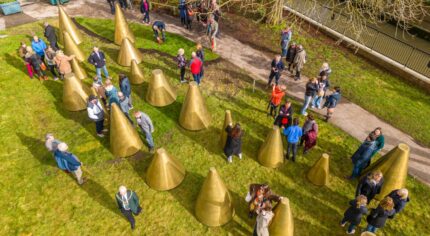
x,y
264,217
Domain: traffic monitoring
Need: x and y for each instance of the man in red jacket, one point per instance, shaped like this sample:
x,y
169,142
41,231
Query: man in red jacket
x,y
278,92
196,67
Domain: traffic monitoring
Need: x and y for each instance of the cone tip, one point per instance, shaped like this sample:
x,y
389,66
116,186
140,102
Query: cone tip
x,y
285,201
227,111
212,169
69,75
161,151
404,147
325,155
193,84
157,71
275,127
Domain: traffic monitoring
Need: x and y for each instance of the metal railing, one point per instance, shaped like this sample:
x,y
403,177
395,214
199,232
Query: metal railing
x,y
402,52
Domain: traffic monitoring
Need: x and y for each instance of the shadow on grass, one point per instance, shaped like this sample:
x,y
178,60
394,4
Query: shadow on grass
x,y
186,193
140,162
37,149
99,194
205,139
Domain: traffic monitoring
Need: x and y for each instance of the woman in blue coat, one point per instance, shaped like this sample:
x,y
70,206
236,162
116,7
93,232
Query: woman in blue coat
x,y
362,155
354,213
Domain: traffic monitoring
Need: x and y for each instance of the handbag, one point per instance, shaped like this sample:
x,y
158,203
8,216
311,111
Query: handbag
x,y
43,66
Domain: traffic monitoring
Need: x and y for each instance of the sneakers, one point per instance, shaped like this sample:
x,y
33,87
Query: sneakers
x,y
240,156
101,135
352,232
183,81
105,130
130,107
230,159
55,78
343,225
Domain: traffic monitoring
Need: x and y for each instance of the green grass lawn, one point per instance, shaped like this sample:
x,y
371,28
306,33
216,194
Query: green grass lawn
x,y
37,198
390,97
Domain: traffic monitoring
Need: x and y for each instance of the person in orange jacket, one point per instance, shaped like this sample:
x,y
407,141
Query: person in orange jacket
x,y
278,92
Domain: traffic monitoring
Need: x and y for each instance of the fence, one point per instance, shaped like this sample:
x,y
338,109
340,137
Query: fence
x,y
400,51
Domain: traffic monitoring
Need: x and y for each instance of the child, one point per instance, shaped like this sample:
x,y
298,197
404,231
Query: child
x,y
354,213
278,92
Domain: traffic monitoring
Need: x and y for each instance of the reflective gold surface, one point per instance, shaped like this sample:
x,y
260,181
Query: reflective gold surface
x,y
214,206
74,94
282,222
136,75
124,139
319,173
367,234
70,48
194,114
165,172
67,25
227,120
271,153
127,53
78,70
394,166
121,27
159,92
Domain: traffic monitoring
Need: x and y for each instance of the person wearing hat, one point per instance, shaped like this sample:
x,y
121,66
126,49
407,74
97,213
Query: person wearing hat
x,y
128,204
69,161
147,128
96,114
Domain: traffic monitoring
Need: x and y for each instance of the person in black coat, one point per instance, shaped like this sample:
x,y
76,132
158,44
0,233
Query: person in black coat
x,y
377,217
277,66
98,59
285,116
370,185
354,213
400,198
292,50
50,35
233,144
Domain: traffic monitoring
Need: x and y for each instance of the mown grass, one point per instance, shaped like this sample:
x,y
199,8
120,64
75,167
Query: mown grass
x,y
389,97
37,198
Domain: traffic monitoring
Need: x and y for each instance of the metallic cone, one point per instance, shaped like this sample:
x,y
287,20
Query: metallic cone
x,y
214,206
124,139
127,53
67,25
271,153
367,233
159,92
74,94
70,48
394,167
121,27
165,172
194,115
319,172
282,222
136,74
77,69
227,120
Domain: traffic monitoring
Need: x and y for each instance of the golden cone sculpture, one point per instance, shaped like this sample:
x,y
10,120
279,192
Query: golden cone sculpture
x,y
367,233
159,92
214,206
71,48
227,120
394,167
282,223
319,172
165,172
75,96
66,25
127,53
78,70
124,139
271,153
194,114
121,27
136,74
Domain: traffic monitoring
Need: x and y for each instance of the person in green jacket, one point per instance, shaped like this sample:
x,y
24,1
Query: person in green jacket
x,y
128,204
380,142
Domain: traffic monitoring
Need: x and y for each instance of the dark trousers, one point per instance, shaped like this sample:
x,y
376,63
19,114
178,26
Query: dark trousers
x,y
123,4
273,109
112,7
54,45
129,215
182,73
99,126
52,69
351,226
275,75
297,76
146,16
292,147
197,78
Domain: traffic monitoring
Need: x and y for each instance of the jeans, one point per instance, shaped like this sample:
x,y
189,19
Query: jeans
x,y
197,78
275,75
99,126
163,36
99,72
292,147
146,17
182,69
284,52
123,4
78,174
308,100
351,226
316,102
371,228
112,7
149,139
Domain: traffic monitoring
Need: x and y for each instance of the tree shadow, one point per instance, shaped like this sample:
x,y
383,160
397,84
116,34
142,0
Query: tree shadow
x,y
186,193
99,194
37,149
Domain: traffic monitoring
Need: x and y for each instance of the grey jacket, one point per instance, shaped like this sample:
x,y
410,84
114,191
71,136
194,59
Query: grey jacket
x,y
125,107
145,123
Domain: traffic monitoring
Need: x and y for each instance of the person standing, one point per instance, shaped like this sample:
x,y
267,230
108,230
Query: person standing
x,y
310,134
112,6
52,145
264,217
377,217
97,58
380,142
293,134
50,36
291,54
158,27
200,52
354,213
212,32
286,35
123,4
370,185
400,199
299,61
322,85
331,102
144,9
182,12
50,61
22,51
99,89
182,63
285,115
125,87
277,66
233,144
190,16
146,127
71,162
124,105
325,70
361,157
278,92
311,90
38,47
111,93
96,114
128,204
36,63
195,67
63,63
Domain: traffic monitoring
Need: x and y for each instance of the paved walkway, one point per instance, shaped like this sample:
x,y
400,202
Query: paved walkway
x,y
348,116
